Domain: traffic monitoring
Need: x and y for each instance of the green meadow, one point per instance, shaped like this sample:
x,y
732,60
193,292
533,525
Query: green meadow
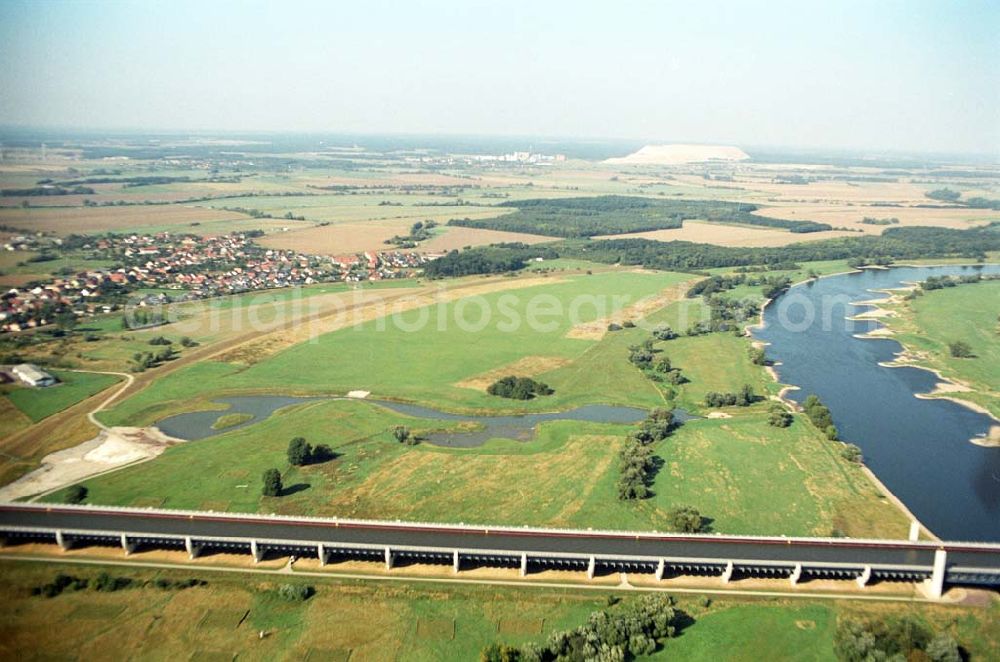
x,y
967,313
425,621
39,403
422,355
732,470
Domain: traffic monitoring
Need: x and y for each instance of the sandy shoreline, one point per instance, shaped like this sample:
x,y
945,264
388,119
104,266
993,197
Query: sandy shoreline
x,y
907,358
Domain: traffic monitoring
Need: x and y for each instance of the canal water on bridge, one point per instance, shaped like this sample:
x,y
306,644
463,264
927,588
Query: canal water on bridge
x,y
920,449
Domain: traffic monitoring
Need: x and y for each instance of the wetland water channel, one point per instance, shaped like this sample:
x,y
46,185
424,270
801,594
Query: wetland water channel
x,y
920,449
198,424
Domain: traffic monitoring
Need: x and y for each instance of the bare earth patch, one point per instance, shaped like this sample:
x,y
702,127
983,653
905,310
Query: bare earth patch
x,y
110,449
596,329
702,232
456,237
529,366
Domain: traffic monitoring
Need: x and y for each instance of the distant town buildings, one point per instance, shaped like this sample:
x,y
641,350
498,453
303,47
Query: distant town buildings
x,y
196,267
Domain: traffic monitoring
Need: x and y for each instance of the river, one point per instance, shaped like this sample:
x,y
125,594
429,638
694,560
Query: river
x,y
920,449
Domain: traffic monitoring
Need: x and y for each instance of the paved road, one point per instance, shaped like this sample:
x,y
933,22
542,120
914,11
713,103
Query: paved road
x,y
580,542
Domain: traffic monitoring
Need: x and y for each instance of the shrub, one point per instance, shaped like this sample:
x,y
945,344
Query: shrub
x,y
272,483
960,350
851,453
779,417
76,494
685,519
296,592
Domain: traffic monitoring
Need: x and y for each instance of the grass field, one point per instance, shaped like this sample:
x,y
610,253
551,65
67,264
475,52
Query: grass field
x,y
39,403
383,621
564,477
969,313
425,364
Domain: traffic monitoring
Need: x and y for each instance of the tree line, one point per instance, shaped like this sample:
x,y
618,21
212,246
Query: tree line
x,y
636,629
617,214
896,243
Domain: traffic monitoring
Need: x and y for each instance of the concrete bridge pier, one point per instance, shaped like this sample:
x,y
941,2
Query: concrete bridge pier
x,y
524,565
455,562
935,585
127,546
192,549
256,552
388,558
321,555
61,540
864,577
660,567
591,567
727,574
914,530
796,574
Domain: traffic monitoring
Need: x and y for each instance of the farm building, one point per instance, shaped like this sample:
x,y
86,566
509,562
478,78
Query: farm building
x,y
33,376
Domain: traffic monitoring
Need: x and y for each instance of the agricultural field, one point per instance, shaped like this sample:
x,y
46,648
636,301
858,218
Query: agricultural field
x,y
433,621
927,324
137,218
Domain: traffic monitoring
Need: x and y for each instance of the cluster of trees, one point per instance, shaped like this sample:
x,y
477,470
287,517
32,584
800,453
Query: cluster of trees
x,y
944,195
301,452
108,583
725,314
948,195
141,318
637,464
637,629
45,190
419,231
757,355
743,398
664,332
941,282
142,361
903,638
636,468
778,416
518,388
62,582
871,220
403,435
896,243
644,357
820,416
493,259
772,285
616,214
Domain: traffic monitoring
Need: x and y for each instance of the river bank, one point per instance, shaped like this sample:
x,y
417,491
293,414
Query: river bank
x,y
911,444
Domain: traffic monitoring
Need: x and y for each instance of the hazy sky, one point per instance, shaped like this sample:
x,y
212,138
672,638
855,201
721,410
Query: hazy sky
x,y
880,74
